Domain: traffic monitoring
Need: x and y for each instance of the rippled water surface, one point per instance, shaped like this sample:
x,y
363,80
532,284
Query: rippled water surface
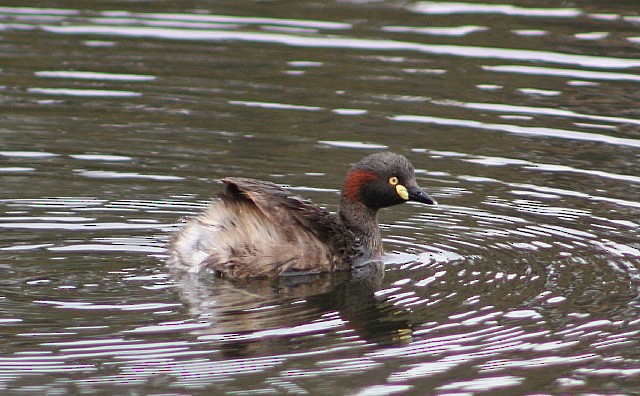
x,y
521,118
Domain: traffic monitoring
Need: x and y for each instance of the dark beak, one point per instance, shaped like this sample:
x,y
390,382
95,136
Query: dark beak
x,y
419,195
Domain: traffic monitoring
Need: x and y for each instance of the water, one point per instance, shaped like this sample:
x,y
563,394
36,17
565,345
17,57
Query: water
x,y
521,118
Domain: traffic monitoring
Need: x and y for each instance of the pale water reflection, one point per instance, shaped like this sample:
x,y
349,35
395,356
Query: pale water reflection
x,y
521,119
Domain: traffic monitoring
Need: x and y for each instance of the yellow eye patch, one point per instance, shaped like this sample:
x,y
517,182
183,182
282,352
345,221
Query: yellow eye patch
x,y
402,192
393,180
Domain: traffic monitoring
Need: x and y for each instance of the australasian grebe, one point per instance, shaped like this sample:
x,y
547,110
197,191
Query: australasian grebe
x,y
258,229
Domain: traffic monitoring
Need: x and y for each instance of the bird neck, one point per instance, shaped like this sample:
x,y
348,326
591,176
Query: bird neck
x,y
362,221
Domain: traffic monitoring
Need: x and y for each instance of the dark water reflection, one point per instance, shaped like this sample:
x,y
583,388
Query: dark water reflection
x,y
244,314
521,119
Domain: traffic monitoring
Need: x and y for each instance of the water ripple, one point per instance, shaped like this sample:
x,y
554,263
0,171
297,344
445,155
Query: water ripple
x,y
84,92
447,8
573,73
86,75
350,43
525,279
524,130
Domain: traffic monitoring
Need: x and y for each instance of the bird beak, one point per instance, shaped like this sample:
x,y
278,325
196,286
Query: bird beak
x,y
419,195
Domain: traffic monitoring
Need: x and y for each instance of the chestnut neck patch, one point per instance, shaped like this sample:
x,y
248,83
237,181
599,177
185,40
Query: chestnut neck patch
x,y
354,181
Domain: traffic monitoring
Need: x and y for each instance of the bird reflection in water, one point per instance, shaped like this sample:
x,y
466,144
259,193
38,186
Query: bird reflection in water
x,y
265,315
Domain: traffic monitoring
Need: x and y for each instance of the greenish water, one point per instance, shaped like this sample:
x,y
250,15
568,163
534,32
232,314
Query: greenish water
x,y
522,121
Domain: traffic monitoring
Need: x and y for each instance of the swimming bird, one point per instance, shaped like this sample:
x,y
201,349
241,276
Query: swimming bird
x,y
257,228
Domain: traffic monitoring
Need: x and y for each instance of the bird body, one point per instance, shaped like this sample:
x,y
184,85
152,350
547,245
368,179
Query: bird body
x,y
258,229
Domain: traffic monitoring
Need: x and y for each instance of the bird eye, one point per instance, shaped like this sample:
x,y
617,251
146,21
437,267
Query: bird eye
x,y
393,180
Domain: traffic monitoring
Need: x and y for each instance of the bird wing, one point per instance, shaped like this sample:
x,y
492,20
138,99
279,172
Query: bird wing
x,y
284,208
257,228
